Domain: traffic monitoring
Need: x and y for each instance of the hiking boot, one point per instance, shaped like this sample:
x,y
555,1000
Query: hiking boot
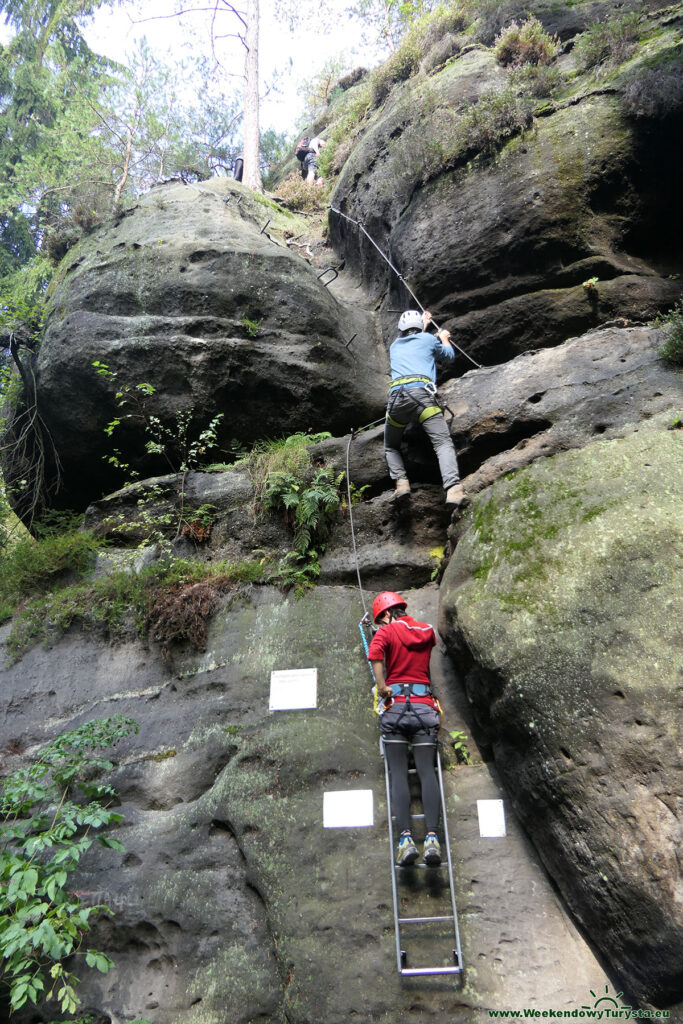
x,y
407,851
402,487
455,495
432,850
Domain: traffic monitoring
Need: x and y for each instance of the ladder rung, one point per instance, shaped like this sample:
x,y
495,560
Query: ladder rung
x,y
420,920
421,816
420,867
430,970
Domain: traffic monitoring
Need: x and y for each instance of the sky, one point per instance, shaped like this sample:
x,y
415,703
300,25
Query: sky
x,y
295,57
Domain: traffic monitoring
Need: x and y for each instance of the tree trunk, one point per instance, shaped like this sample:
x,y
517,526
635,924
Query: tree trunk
x,y
252,164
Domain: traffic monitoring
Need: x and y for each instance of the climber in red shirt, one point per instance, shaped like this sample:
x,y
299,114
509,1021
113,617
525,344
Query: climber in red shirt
x,y
399,654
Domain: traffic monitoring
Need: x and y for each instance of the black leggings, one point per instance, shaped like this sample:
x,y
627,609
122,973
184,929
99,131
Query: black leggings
x,y
397,759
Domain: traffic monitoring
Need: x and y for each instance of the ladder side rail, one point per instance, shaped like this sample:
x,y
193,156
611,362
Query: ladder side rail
x,y
394,889
449,861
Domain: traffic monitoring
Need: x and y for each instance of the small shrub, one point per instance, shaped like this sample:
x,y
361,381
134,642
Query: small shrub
x,y
535,80
609,42
353,78
672,322
442,51
657,93
528,43
308,508
296,194
460,749
489,17
288,455
399,67
349,115
485,125
31,567
181,612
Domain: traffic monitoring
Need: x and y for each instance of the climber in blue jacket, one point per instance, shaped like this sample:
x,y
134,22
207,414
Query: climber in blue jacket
x,y
414,356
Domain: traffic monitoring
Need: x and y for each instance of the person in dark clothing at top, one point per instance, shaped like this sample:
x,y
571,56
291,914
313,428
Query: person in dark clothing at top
x,y
399,654
414,356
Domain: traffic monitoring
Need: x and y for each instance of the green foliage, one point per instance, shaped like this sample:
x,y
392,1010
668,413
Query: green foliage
x,y
436,555
22,308
181,447
486,125
528,43
308,508
609,43
672,323
34,566
297,572
280,455
294,193
388,20
175,443
126,602
535,80
52,812
403,63
252,326
319,90
460,749
349,116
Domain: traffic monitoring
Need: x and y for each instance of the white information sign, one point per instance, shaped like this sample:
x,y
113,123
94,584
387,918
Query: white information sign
x,y
348,809
491,819
292,689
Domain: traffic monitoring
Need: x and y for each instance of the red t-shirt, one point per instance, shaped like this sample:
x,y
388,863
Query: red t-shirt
x,y
404,646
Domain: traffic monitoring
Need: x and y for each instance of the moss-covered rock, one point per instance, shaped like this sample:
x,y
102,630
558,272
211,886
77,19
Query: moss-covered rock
x,y
496,205
195,292
560,604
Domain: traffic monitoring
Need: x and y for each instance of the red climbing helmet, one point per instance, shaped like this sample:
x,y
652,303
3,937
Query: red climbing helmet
x,y
387,599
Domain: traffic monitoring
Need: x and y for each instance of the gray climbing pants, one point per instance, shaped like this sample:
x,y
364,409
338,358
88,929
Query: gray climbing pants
x,y
416,405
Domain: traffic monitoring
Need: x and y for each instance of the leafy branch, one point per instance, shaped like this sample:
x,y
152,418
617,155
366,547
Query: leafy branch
x,y
51,813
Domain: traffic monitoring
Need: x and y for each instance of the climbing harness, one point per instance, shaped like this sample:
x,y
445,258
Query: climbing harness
x,y
399,275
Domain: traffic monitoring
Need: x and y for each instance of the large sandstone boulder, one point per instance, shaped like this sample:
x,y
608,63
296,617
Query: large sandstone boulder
x,y
498,246
190,294
561,606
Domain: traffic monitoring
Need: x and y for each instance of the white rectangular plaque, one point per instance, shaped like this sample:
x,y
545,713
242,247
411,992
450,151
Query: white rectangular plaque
x,y
491,819
292,689
348,809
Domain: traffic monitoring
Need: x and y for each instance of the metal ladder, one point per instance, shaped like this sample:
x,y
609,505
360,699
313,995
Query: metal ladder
x,y
401,955
397,870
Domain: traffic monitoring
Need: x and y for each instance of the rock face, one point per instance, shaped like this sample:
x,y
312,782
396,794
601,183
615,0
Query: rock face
x,y
560,605
187,293
501,418
498,246
232,904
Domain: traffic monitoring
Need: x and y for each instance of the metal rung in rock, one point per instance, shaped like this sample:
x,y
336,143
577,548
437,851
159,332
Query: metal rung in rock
x,y
413,971
421,920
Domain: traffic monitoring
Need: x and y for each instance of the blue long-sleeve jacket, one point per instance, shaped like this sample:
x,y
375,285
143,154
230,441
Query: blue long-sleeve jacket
x,y
417,355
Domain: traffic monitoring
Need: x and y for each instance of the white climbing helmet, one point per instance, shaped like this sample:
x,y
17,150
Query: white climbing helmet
x,y
411,318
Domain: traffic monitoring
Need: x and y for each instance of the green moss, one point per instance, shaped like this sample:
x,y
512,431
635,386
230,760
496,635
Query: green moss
x,y
121,602
163,755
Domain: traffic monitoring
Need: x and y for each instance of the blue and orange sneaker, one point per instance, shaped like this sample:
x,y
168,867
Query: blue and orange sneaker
x,y
432,849
407,852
